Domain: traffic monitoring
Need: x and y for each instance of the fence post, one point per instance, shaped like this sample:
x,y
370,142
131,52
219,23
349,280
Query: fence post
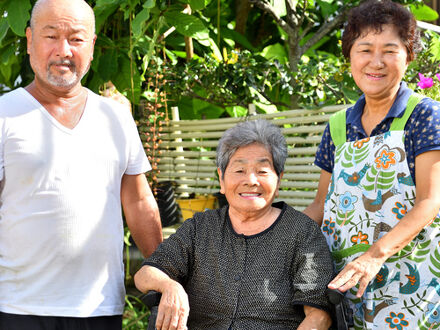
x,y
176,117
252,110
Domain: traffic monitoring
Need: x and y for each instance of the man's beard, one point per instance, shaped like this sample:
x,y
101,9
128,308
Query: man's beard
x,y
59,80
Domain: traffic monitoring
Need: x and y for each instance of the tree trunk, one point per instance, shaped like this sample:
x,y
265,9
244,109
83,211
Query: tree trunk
x,y
243,7
294,58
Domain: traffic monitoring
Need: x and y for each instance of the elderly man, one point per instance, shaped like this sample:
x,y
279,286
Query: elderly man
x,y
68,158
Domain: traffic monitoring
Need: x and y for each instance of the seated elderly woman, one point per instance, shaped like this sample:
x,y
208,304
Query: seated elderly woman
x,y
250,265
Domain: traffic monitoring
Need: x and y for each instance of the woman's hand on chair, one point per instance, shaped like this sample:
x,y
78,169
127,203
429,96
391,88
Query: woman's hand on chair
x,y
173,308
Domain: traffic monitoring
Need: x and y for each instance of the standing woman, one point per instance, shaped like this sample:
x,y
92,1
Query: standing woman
x,y
378,198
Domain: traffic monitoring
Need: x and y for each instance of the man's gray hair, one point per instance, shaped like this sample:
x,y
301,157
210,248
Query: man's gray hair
x,y
249,132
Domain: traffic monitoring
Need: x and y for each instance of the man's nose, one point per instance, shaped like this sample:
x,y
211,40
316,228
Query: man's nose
x,y
64,50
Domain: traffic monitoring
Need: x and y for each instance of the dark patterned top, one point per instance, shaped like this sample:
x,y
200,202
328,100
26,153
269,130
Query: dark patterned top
x,y
248,282
422,130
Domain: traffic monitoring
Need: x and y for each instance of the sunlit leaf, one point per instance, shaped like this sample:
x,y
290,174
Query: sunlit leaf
x,y
18,16
275,52
4,26
423,13
188,25
139,22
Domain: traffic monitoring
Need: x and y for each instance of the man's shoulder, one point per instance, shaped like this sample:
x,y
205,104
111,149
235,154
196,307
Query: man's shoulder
x,y
15,102
14,95
108,103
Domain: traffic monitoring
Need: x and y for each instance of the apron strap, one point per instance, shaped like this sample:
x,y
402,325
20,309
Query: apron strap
x,y
338,120
398,124
338,130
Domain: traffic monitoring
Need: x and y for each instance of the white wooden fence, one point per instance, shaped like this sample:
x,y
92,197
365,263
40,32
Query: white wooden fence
x,y
188,151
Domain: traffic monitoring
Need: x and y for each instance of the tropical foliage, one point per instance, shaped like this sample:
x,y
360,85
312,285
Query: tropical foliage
x,y
216,56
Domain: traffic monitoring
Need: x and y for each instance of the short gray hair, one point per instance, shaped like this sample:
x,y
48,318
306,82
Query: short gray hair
x,y
249,132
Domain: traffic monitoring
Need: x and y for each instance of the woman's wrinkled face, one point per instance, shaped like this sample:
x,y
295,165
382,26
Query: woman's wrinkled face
x,y
250,182
378,62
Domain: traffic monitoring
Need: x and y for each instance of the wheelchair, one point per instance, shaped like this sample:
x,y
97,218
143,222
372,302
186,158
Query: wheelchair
x,y
342,315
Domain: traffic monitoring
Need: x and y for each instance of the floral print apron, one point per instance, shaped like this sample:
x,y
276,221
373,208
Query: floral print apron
x,y
371,189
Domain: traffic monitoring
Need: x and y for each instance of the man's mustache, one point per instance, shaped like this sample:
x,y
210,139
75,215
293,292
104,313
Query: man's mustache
x,y
63,62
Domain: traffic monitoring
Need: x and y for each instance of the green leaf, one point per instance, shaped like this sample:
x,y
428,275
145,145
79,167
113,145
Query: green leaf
x,y
350,95
275,52
238,38
205,109
237,111
123,80
215,49
198,4
327,8
6,55
434,48
4,26
108,65
139,22
171,56
280,7
103,9
423,13
188,25
149,4
6,71
18,16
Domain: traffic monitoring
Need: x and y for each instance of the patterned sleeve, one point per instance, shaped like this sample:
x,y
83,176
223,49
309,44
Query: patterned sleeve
x,y
426,127
313,269
176,254
325,153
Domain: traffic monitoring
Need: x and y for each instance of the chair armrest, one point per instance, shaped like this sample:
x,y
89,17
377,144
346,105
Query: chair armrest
x,y
342,314
151,298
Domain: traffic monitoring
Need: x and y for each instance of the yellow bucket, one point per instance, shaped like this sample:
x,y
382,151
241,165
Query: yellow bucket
x,y
198,204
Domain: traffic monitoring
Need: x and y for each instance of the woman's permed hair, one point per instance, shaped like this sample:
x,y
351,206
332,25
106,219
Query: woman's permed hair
x,y
373,15
249,132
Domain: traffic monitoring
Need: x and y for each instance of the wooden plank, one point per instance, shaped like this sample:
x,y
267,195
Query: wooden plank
x,y
211,154
220,126
214,143
284,195
283,114
200,134
199,161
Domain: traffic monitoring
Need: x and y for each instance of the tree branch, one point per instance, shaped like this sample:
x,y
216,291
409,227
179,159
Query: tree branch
x,y
292,14
324,29
266,7
301,19
305,31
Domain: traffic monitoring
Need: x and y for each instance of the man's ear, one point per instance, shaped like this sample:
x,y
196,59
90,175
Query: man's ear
x,y
29,38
